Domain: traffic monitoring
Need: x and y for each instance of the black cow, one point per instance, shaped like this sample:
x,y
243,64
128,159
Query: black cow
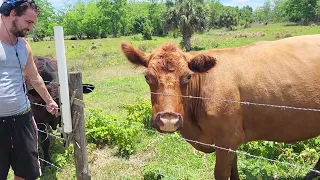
x,y
48,70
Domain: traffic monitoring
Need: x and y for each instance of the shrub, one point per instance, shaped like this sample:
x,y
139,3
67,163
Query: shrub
x,y
140,112
299,153
147,32
105,129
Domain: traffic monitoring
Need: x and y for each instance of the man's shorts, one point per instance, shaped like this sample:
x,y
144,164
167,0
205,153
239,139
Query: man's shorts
x,y
19,147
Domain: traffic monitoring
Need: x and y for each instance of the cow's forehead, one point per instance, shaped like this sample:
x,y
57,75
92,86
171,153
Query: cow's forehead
x,y
164,61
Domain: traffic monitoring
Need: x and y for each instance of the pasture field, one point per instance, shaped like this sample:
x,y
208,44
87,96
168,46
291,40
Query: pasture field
x,y
156,156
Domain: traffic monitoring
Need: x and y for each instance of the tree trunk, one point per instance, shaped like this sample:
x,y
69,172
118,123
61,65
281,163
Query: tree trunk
x,y
186,42
114,30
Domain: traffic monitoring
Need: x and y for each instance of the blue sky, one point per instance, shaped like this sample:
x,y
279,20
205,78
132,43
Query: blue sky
x,y
253,3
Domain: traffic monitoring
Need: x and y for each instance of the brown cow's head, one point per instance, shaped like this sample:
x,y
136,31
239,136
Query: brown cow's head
x,y
168,72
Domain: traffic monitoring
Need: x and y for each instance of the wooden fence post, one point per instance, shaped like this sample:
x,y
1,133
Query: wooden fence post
x,y
78,134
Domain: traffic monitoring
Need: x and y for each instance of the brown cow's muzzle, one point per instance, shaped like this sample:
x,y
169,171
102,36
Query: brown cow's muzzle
x,y
167,121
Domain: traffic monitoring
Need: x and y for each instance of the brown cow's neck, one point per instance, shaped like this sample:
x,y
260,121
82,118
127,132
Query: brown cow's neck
x,y
192,106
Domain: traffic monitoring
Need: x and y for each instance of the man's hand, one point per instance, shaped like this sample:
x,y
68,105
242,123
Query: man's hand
x,y
52,107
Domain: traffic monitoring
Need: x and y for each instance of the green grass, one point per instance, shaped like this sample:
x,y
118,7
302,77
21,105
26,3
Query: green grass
x,y
119,83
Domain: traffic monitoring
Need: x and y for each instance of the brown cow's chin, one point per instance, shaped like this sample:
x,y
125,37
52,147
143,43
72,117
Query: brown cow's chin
x,y
166,132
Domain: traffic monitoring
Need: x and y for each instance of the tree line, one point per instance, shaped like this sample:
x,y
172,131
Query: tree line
x,y
104,18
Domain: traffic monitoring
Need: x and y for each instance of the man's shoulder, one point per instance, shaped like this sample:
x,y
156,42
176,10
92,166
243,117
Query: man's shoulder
x,y
23,40
26,44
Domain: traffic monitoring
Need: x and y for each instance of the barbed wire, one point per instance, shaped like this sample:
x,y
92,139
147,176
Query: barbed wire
x,y
57,167
52,135
50,82
217,147
44,124
283,107
42,105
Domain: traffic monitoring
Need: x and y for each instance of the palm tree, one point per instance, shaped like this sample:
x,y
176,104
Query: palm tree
x,y
189,16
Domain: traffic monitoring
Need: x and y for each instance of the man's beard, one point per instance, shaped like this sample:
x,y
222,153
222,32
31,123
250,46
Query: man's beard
x,y
15,30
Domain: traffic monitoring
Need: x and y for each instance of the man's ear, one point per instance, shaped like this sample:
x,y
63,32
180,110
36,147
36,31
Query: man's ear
x,y
134,55
202,63
13,13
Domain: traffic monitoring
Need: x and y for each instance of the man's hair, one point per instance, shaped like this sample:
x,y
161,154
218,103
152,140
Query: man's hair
x,y
21,8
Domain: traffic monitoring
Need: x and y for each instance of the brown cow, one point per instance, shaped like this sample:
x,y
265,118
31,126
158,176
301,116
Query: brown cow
x,y
48,69
284,72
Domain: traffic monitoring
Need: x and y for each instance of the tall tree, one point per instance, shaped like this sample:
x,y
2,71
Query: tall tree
x,y
263,13
156,10
301,10
245,16
46,20
318,11
278,12
191,16
90,21
215,11
73,19
229,17
114,14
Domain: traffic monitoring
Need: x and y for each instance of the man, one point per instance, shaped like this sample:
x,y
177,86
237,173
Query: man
x,y
18,133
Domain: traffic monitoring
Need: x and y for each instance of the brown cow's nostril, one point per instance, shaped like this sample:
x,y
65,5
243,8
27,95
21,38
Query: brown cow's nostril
x,y
168,121
159,123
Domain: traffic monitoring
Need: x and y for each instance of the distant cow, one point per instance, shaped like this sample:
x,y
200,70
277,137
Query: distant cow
x,y
48,70
284,72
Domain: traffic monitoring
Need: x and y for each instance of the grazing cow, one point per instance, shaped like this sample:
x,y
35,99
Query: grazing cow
x,y
48,70
284,72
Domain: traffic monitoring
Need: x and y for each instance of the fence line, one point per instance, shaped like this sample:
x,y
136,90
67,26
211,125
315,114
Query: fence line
x,y
57,167
283,107
51,82
217,147
51,134
42,105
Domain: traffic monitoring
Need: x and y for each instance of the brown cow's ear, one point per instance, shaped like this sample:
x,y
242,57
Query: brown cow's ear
x,y
201,63
134,55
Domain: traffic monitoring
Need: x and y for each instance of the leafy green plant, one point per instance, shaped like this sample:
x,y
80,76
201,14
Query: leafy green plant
x,y
140,112
105,129
152,175
299,153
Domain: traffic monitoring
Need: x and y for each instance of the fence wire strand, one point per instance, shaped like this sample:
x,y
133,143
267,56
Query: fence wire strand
x,y
282,107
218,147
57,167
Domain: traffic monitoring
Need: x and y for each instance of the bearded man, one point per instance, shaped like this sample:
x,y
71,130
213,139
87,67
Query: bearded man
x,y
18,132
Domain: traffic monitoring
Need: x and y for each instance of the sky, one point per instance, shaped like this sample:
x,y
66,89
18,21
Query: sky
x,y
253,3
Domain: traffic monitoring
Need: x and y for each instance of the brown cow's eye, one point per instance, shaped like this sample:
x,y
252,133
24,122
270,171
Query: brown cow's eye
x,y
149,79
189,77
